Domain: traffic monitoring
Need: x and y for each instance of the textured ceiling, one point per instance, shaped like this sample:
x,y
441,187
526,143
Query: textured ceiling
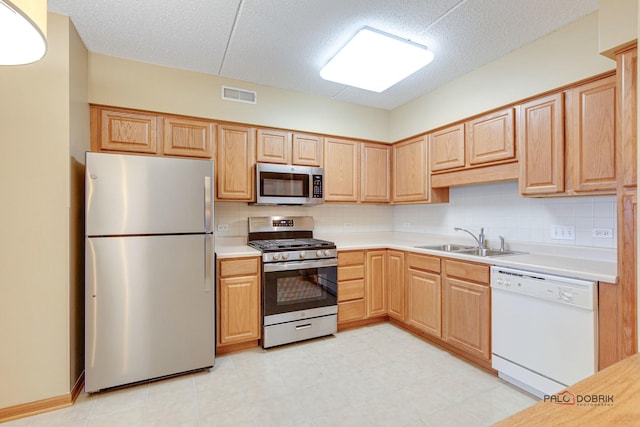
x,y
284,43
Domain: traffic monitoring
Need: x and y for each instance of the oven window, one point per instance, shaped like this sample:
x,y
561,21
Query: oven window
x,y
284,184
287,291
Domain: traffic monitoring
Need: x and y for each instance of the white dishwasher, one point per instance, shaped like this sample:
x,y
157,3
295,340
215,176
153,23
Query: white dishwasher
x,y
543,328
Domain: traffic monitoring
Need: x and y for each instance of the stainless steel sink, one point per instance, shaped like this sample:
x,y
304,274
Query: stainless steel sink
x,y
449,247
469,250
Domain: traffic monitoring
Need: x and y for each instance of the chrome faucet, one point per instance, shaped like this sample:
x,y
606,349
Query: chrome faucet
x,y
479,239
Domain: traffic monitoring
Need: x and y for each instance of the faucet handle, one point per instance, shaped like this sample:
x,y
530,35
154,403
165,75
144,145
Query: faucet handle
x,y
501,243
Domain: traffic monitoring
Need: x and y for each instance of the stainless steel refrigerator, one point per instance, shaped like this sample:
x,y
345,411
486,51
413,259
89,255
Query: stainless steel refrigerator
x,y
149,279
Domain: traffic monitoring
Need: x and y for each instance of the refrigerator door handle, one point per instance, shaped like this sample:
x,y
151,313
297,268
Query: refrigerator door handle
x,y
208,259
207,204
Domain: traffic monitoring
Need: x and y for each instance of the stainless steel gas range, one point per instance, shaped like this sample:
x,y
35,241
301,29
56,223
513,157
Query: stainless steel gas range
x,y
299,279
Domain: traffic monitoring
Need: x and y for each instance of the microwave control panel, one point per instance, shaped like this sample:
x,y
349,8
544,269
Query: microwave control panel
x,y
317,187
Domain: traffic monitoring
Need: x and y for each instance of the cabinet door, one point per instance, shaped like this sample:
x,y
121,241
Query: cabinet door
x,y
273,146
395,285
239,309
341,171
540,142
307,150
446,148
627,125
188,137
410,175
236,161
467,315
491,138
423,301
375,176
591,135
128,132
376,271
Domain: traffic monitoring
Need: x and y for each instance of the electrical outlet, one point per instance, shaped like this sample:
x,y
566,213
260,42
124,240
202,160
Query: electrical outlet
x,y
602,233
407,225
347,225
223,227
563,232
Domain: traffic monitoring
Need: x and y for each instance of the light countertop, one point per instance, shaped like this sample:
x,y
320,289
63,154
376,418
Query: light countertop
x,y
580,262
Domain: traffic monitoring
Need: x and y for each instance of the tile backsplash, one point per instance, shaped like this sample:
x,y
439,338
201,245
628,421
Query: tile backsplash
x,y
497,207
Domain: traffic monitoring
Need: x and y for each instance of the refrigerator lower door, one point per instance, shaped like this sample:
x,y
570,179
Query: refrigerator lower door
x,y
149,308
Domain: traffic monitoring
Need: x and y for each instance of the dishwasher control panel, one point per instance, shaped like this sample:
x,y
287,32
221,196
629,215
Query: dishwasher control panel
x,y
565,290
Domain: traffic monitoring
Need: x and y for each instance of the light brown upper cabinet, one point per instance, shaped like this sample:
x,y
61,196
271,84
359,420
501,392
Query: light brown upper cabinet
x,y
484,140
490,138
591,136
341,170
274,146
188,137
285,147
627,125
446,148
307,149
124,131
540,141
410,175
236,161
375,173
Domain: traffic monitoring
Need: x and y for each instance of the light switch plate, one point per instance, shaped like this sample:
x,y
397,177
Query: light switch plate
x,y
223,227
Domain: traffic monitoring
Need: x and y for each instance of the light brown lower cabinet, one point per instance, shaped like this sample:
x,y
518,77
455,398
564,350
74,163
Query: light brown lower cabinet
x,y
376,277
423,287
351,287
396,285
467,307
238,306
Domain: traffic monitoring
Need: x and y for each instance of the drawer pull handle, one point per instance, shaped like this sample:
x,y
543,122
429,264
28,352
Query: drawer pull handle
x,y
305,326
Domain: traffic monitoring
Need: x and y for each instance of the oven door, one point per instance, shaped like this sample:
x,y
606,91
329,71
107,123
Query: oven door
x,y
299,289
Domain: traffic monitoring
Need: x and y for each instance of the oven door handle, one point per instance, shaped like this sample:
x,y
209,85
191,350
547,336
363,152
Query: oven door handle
x,y
298,265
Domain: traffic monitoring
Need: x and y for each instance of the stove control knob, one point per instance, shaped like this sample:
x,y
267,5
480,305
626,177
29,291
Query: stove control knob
x,y
319,252
276,257
285,256
302,254
327,252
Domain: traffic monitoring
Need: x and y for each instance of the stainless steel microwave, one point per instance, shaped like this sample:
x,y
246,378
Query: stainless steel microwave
x,y
289,185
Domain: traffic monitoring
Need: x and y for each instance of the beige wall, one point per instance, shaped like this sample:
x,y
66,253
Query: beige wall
x,y
124,83
562,57
34,224
617,24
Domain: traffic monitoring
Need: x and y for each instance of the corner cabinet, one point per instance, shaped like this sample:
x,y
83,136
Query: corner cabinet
x,y
467,307
411,182
396,300
238,304
235,163
376,278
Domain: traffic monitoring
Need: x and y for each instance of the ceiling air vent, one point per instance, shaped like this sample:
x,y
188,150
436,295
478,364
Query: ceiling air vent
x,y
239,95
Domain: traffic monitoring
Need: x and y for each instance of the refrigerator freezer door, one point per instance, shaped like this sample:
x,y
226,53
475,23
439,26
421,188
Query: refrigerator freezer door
x,y
149,308
136,195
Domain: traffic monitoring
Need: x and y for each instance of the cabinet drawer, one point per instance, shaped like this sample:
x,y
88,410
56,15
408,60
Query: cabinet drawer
x,y
423,262
350,290
468,271
350,272
351,310
237,267
350,258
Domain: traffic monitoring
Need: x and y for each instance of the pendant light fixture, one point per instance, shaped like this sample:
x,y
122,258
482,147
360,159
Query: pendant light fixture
x,y
23,31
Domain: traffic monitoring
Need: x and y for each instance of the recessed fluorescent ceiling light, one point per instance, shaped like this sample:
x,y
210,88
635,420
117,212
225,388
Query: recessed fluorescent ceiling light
x,y
374,60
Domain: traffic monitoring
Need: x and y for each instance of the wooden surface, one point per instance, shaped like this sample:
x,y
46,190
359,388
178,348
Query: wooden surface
x,y
410,175
341,170
490,138
491,173
188,137
620,381
236,161
128,132
376,278
307,150
396,301
424,296
423,262
540,142
273,146
627,116
375,173
351,286
350,289
609,324
446,148
467,270
591,136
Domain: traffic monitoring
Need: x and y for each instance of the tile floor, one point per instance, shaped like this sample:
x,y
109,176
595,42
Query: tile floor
x,y
379,375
